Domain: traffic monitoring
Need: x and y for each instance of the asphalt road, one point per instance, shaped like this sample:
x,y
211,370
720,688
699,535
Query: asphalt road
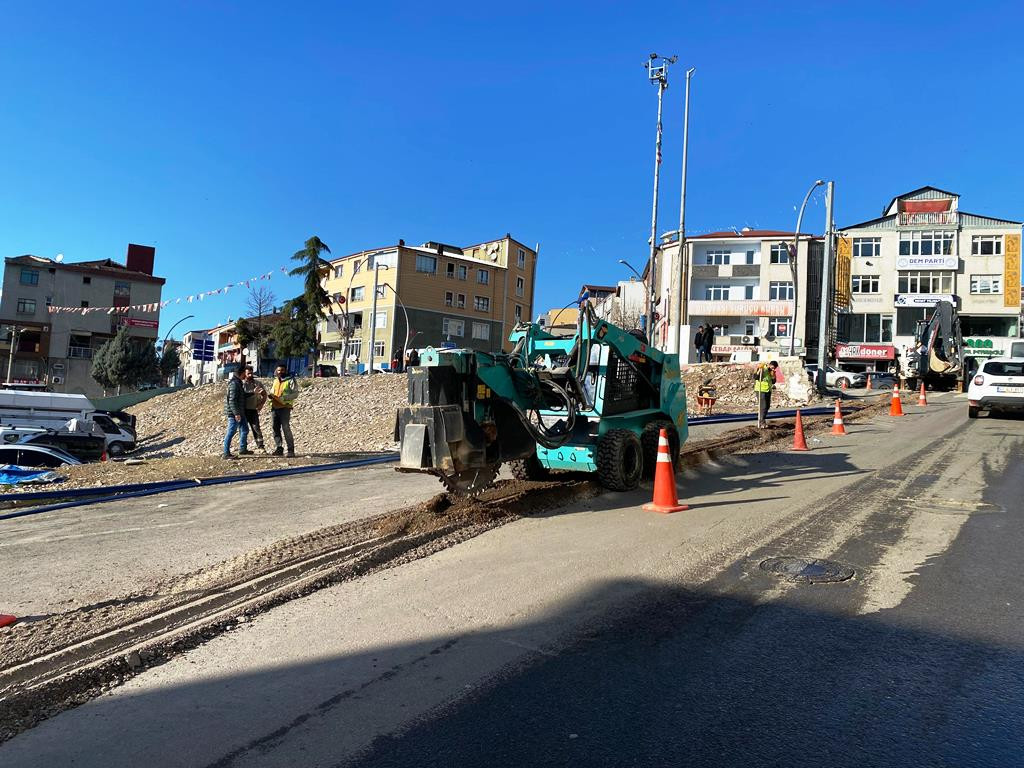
x,y
734,675
604,635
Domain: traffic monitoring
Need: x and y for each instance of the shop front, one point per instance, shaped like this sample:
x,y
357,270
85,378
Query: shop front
x,y
865,357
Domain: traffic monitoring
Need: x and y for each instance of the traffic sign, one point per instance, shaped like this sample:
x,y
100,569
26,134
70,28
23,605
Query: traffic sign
x,y
202,349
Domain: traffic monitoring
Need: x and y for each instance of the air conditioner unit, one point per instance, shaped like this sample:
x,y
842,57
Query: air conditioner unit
x,y
749,340
57,379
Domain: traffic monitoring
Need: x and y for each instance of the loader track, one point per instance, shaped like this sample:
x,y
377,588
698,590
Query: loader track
x,y
62,660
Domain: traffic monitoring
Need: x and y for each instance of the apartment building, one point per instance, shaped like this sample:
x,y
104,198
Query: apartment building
x,y
740,284
429,295
924,249
54,350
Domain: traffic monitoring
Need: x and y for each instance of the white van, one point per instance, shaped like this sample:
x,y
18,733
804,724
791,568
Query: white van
x,y
53,410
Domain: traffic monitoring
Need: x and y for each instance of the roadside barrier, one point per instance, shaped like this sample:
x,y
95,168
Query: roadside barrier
x,y
86,496
799,443
665,499
922,400
6,619
838,428
896,405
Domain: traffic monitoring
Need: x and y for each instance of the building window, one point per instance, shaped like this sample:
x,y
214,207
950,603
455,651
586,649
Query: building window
x,y
356,294
355,347
357,320
870,328
339,270
521,259
449,299
518,313
986,284
749,327
482,304
449,271
780,290
452,327
30,276
426,264
907,319
750,256
716,292
717,257
85,303
864,284
925,282
720,330
463,271
866,247
378,349
381,320
986,245
778,327
990,326
520,286
86,280
481,331
779,254
26,306
357,266
748,292
483,276
926,243
460,300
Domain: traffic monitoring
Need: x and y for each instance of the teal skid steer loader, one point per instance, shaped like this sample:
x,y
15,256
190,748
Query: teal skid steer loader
x,y
591,402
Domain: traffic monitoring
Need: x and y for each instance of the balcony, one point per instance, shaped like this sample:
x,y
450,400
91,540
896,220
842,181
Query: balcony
x,y
82,353
926,218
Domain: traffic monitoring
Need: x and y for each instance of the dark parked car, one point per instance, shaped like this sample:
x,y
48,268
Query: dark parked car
x,y
882,379
24,455
83,447
325,371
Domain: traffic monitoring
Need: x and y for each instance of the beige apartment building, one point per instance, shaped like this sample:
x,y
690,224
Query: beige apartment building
x,y
923,249
54,350
429,295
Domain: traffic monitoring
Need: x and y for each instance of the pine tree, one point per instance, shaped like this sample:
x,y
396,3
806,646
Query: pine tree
x,y
314,297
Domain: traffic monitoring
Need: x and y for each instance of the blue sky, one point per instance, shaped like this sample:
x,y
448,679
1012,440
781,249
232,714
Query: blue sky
x,y
225,134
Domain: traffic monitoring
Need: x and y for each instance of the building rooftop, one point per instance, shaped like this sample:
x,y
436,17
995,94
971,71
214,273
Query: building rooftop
x,y
98,266
747,233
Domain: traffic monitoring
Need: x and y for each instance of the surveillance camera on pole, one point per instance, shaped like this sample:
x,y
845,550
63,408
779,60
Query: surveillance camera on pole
x,y
657,73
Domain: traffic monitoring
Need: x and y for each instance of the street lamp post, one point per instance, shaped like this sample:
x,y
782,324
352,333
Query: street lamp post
x,y
657,73
167,335
792,263
647,292
405,312
377,267
680,289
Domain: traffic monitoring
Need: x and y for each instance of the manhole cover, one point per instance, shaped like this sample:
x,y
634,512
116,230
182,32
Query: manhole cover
x,y
811,571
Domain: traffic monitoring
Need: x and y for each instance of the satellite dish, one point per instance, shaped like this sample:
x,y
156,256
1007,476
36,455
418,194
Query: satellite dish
x,y
60,257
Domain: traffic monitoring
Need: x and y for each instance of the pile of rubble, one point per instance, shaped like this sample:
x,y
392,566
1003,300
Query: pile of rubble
x,y
331,415
734,387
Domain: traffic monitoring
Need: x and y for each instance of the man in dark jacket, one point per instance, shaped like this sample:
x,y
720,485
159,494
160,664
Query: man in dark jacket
x,y
698,343
234,409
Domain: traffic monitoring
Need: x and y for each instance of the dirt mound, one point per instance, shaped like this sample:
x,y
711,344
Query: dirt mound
x,y
734,388
333,415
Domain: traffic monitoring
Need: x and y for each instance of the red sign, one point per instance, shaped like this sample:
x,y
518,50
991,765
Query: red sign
x,y
865,352
134,321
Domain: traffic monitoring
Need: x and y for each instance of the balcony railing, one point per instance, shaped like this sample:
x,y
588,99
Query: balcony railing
x,y
926,218
84,353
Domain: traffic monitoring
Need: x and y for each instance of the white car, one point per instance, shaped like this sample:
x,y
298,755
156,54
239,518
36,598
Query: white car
x,y
998,385
834,377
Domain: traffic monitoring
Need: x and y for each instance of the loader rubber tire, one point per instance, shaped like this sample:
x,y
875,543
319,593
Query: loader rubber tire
x,y
620,460
649,441
529,468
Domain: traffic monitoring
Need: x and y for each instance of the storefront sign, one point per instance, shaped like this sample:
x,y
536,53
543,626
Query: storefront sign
x,y
865,352
923,299
1011,272
728,349
137,323
844,261
984,347
927,262
749,308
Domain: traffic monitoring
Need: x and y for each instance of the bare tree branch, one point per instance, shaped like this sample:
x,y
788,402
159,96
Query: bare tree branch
x,y
260,302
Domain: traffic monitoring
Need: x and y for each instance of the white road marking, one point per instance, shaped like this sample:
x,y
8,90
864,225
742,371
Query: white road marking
x,y
36,539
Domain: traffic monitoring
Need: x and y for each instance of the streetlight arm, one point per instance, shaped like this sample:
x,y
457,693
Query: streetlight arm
x,y
793,265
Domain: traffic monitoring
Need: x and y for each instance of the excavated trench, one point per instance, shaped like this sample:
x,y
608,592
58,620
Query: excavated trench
x,y
62,660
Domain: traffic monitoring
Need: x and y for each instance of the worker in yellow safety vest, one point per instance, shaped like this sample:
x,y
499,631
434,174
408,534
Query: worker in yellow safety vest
x,y
764,381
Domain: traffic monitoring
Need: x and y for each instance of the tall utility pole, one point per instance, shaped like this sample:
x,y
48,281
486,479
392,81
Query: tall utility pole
x,y
679,307
793,265
826,284
658,74
15,332
377,267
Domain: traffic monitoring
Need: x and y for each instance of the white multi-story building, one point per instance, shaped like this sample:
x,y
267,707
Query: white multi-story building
x,y
923,249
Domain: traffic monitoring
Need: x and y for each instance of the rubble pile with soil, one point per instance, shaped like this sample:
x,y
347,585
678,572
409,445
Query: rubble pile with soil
x,y
331,415
734,388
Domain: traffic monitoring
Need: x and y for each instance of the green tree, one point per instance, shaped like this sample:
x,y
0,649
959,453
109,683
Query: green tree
x,y
101,368
122,362
169,361
295,333
315,298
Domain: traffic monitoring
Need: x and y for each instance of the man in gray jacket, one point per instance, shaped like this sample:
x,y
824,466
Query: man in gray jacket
x,y
234,409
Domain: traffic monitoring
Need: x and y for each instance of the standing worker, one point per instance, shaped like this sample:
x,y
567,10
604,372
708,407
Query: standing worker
x,y
764,382
282,397
234,409
709,340
698,343
255,398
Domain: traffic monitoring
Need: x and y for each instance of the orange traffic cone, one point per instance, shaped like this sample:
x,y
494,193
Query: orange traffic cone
x,y
665,499
868,385
799,443
922,400
6,618
837,421
896,405
842,383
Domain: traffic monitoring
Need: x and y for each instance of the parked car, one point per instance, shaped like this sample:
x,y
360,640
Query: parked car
x,y
27,455
83,447
882,379
834,376
324,371
998,385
